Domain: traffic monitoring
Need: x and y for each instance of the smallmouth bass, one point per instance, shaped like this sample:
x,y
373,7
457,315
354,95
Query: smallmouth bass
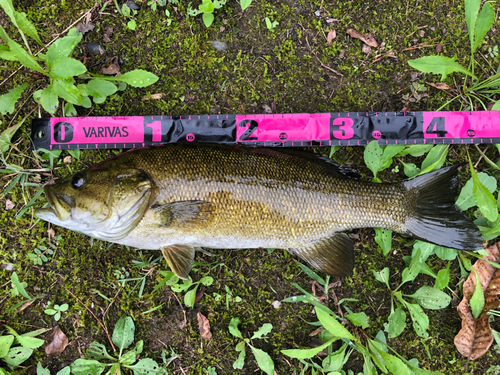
x,y
179,197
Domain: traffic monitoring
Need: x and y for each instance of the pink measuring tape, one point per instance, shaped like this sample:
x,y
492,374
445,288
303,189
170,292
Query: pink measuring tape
x,y
268,130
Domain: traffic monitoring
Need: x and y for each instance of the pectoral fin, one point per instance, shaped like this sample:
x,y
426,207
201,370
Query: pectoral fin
x,y
333,255
180,259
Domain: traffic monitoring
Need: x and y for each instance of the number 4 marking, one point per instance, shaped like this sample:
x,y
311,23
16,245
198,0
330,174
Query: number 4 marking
x,y
436,126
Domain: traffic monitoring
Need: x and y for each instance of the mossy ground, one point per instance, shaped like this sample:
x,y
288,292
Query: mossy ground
x,y
281,70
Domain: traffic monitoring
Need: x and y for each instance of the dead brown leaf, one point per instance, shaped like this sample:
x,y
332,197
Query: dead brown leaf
x,y
365,38
156,96
84,27
366,49
107,34
113,68
475,337
439,86
9,205
204,327
199,295
67,159
58,343
331,36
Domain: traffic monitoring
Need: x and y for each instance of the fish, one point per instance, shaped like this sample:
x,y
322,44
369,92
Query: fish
x,y
182,197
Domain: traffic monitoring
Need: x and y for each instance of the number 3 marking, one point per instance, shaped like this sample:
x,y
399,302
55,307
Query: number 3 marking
x,y
341,128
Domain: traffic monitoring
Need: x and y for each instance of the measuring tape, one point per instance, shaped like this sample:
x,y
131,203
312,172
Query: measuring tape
x,y
268,130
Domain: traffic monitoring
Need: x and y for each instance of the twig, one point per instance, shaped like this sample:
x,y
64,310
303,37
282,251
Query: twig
x,y
323,65
52,41
98,321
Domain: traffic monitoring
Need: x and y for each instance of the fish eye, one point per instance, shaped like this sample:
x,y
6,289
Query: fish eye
x,y
78,180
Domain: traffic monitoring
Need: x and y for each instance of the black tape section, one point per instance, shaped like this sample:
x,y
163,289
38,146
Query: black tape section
x,y
40,134
184,129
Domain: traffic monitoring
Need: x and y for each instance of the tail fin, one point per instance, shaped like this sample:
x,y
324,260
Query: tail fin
x,y
435,218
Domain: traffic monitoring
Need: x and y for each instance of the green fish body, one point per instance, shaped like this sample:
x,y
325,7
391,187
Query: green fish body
x,y
180,197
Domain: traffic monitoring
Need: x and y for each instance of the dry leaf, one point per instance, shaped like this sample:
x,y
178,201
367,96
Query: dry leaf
x,y
475,337
204,327
112,69
84,27
156,96
199,295
331,36
439,86
59,342
51,233
366,38
366,49
107,34
67,159
9,205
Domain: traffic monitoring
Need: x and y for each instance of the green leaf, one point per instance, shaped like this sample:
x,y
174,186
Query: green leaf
x,y
29,342
264,361
208,19
443,278
359,319
190,297
431,298
24,57
240,362
15,281
63,47
383,237
47,98
394,364
64,371
100,88
8,101
434,159
26,26
382,276
484,22
389,152
207,280
123,334
17,355
410,169
484,199
97,351
125,10
372,157
6,136
233,327
438,65
496,106
396,323
132,24
87,367
416,150
410,273
471,11
40,370
7,55
262,331
307,353
67,90
5,344
419,318
466,198
245,4
374,347
207,6
50,311
445,253
146,366
70,111
136,78
130,356
477,300
67,67
333,326
313,275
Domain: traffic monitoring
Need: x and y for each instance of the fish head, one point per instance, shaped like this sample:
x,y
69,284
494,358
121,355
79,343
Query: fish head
x,y
105,203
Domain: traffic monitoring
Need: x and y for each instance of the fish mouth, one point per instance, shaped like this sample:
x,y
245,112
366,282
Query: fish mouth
x,y
60,205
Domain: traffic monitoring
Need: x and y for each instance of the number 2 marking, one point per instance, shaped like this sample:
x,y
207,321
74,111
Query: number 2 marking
x,y
246,135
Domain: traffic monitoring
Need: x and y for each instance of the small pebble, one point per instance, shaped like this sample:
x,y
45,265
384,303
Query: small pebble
x,y
317,13
219,46
8,266
132,5
96,48
276,304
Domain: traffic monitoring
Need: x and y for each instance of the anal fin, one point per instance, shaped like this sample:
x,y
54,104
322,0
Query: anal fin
x,y
180,259
333,255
